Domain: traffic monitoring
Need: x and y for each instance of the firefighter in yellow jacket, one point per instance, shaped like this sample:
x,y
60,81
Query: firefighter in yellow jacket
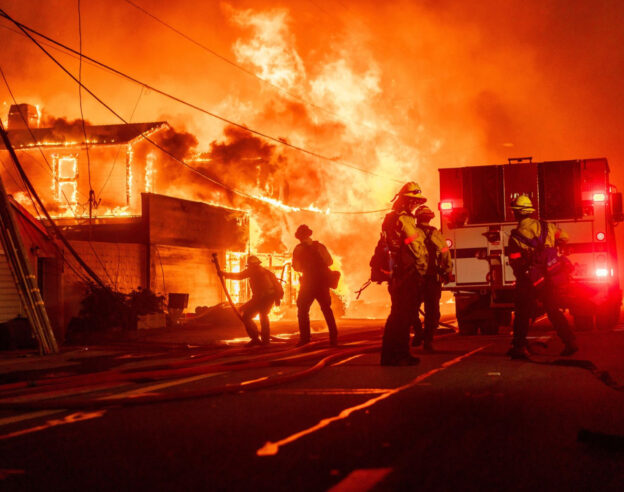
x,y
540,275
407,247
439,268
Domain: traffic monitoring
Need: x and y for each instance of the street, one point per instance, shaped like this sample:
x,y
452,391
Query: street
x,y
465,418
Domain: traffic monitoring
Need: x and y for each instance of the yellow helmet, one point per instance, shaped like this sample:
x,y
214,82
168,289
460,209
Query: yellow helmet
x,y
411,190
523,204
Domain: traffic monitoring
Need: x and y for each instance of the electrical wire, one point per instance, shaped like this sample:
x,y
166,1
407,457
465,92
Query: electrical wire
x,y
92,202
136,105
28,186
281,141
155,144
240,67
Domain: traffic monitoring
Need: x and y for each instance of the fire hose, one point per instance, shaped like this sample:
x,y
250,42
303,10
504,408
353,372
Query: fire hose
x,y
215,260
172,370
224,389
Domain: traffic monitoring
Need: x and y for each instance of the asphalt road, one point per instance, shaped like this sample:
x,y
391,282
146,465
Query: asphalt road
x,y
466,418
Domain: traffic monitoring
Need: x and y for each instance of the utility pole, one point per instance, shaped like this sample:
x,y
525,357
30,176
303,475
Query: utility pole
x,y
25,280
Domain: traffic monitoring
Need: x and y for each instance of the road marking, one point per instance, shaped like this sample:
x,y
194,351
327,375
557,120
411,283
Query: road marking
x,y
361,480
272,448
27,416
68,419
254,380
347,360
334,391
150,388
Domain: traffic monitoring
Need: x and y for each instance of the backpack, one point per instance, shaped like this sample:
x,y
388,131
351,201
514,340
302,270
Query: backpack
x,y
277,287
544,261
382,262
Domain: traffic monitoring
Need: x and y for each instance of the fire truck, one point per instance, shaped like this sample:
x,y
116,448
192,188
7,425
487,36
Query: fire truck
x,y
477,220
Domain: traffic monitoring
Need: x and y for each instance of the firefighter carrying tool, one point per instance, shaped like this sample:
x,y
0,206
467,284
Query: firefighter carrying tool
x,y
266,290
541,274
439,268
406,244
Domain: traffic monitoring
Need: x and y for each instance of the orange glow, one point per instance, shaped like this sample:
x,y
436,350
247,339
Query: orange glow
x,y
391,89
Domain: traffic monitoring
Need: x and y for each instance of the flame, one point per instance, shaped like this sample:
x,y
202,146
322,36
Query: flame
x,y
270,49
149,172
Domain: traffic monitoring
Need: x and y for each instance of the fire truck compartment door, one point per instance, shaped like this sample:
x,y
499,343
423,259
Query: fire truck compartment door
x,y
471,264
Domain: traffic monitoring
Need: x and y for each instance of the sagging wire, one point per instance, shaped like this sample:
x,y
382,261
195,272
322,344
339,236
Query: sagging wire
x,y
31,191
281,141
162,149
248,72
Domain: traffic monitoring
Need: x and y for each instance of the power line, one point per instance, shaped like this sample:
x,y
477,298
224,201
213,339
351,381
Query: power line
x,y
25,29
92,202
36,200
240,67
218,183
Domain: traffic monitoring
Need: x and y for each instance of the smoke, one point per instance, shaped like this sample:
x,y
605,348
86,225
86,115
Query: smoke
x,y
398,89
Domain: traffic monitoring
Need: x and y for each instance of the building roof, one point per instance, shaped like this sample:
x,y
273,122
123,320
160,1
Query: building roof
x,y
70,134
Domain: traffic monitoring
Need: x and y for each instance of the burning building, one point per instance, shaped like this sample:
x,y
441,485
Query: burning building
x,y
100,192
102,168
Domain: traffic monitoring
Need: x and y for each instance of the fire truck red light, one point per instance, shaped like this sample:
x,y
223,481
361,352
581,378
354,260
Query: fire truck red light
x,y
449,243
600,236
602,272
446,206
599,197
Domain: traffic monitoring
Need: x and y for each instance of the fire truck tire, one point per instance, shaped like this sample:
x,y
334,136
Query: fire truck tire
x,y
583,323
607,316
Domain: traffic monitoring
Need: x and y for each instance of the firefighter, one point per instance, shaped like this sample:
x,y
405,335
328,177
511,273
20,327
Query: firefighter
x,y
264,293
540,275
312,260
439,268
407,247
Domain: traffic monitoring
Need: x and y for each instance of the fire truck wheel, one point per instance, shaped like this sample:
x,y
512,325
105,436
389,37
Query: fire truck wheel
x,y
607,316
583,323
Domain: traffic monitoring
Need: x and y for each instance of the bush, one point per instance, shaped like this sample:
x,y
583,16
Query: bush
x,y
103,309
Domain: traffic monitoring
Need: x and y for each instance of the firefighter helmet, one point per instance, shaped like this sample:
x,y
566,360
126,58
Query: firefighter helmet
x,y
253,260
424,213
523,205
303,232
411,189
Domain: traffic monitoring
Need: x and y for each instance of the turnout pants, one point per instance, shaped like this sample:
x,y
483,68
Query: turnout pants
x,y
262,306
431,294
525,301
307,295
405,293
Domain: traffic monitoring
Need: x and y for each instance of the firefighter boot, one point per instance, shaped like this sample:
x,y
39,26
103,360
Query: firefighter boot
x,y
518,353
